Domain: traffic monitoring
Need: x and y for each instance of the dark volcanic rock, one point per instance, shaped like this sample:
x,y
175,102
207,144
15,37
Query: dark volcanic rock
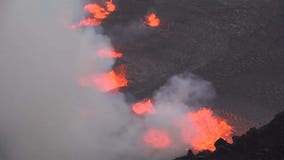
x,y
189,156
265,143
221,144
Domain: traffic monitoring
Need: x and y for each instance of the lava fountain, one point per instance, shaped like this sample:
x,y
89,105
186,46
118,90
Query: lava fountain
x,y
205,129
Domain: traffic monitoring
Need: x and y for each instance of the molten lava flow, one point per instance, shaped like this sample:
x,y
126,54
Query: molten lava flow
x,y
106,53
98,14
97,11
152,20
112,80
205,129
157,138
143,107
87,22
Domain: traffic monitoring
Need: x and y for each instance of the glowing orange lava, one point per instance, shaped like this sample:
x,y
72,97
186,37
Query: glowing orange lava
x,y
87,22
98,14
152,20
97,11
110,7
112,80
106,53
204,129
143,107
157,138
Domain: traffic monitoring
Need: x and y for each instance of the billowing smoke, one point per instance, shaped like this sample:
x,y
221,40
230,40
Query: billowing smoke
x,y
46,115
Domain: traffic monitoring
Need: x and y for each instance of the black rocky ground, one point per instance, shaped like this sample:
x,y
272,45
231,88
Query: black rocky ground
x,y
265,143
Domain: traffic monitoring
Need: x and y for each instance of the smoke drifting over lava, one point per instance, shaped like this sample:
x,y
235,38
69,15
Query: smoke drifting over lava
x,y
46,115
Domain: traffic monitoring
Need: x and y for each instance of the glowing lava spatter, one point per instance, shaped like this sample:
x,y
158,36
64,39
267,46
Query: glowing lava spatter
x,y
152,20
157,138
87,22
110,7
143,107
112,80
204,129
106,53
98,14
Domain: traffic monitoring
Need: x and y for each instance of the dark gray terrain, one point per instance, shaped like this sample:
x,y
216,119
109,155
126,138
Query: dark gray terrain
x,y
235,44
